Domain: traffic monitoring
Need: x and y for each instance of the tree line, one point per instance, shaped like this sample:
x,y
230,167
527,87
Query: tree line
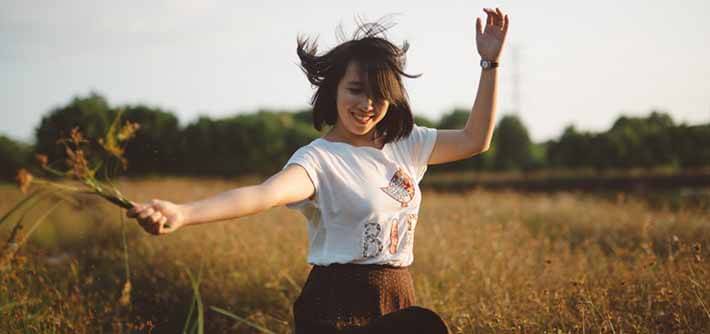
x,y
260,143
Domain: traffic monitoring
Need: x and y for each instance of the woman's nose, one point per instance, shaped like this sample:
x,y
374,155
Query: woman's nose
x,y
366,104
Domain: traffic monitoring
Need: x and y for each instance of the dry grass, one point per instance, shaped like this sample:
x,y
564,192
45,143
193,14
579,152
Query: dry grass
x,y
487,262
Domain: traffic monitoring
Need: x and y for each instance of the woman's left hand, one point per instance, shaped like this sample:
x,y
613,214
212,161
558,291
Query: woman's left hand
x,y
158,217
490,39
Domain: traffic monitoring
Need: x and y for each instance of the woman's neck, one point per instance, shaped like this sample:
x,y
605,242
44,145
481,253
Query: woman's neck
x,y
372,138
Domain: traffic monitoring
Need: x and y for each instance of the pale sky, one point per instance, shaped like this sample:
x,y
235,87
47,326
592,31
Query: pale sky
x,y
581,62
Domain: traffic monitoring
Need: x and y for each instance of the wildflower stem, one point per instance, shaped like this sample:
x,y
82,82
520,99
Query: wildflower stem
x,y
125,245
11,251
240,319
18,206
126,291
59,186
197,299
53,171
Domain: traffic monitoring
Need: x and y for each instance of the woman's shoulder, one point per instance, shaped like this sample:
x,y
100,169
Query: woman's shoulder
x,y
313,149
314,145
418,136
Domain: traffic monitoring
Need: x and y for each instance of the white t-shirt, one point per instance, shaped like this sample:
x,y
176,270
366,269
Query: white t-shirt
x,y
366,200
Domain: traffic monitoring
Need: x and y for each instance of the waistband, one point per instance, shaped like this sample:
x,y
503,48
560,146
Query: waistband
x,y
359,267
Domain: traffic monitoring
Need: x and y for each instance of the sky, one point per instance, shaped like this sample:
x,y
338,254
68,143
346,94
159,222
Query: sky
x,y
580,63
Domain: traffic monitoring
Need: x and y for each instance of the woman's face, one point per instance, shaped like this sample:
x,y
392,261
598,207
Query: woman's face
x,y
357,112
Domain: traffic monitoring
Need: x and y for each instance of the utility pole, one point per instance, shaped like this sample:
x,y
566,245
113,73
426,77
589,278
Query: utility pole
x,y
516,80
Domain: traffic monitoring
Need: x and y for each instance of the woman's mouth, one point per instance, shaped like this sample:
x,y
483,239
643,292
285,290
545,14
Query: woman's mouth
x,y
362,119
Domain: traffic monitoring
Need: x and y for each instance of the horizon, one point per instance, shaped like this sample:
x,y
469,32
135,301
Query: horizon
x,y
182,124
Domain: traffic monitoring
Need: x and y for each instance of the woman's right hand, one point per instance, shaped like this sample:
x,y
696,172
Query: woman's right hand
x,y
158,217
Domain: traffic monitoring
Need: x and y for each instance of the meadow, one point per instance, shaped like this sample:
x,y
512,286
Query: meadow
x,y
487,262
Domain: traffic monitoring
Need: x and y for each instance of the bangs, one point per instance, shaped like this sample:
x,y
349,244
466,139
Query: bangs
x,y
382,82
383,65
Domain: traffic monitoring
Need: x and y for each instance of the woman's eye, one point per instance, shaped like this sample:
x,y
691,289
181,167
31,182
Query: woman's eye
x,y
355,90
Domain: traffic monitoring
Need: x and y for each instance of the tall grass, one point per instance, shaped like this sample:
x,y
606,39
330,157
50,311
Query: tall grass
x,y
487,262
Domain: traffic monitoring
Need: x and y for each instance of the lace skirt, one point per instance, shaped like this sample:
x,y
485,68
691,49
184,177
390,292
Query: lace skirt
x,y
340,298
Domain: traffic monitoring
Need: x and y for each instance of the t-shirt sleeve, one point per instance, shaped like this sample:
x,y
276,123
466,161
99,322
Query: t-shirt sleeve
x,y
306,158
419,146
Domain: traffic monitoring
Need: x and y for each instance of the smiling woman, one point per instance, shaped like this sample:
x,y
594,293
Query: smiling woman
x,y
357,112
359,85
358,185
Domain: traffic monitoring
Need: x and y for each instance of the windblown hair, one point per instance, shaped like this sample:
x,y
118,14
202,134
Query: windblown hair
x,y
383,64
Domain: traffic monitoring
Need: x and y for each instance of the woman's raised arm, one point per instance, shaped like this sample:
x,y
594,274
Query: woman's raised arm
x,y
290,185
475,137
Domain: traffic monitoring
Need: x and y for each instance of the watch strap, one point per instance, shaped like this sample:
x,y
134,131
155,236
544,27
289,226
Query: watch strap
x,y
487,64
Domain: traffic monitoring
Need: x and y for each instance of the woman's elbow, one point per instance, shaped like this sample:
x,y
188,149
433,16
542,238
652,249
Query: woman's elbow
x,y
478,149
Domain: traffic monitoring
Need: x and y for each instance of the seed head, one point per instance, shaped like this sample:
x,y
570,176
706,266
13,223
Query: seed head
x,y
114,150
697,247
41,159
128,131
76,137
125,294
24,179
77,162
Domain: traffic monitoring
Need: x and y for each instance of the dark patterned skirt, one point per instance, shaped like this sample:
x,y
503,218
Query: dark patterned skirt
x,y
349,298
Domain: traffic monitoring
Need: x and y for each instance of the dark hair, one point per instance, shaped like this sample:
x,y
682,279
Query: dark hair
x,y
383,63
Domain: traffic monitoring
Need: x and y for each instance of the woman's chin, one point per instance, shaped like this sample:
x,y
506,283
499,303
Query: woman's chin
x,y
360,130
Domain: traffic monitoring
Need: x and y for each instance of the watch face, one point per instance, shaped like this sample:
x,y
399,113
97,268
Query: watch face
x,y
485,64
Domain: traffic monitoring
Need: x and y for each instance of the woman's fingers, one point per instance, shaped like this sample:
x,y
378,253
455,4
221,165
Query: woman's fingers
x,y
151,223
156,223
489,17
133,211
162,223
154,228
155,217
146,225
143,214
499,17
494,17
146,216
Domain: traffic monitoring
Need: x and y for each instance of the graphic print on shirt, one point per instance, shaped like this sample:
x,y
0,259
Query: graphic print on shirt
x,y
401,188
371,243
394,236
409,221
409,237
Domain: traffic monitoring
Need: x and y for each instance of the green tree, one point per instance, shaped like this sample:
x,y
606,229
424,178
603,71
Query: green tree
x,y
91,114
538,153
304,116
257,143
423,121
692,145
13,156
513,145
155,148
571,149
456,119
642,141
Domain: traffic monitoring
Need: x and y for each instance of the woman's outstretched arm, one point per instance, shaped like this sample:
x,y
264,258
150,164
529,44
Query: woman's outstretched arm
x,y
290,185
475,137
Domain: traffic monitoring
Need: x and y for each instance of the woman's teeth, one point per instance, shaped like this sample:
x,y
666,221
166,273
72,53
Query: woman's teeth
x,y
362,119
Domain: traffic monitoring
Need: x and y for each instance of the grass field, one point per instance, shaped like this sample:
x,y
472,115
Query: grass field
x,y
512,263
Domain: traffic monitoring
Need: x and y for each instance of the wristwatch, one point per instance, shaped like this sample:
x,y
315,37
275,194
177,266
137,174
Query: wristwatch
x,y
487,64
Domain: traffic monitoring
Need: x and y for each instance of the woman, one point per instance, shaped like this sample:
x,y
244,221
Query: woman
x,y
358,184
